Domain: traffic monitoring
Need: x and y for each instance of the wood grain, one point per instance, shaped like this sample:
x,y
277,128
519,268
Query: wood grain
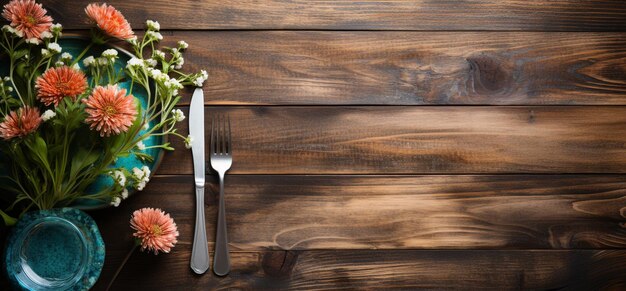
x,y
408,68
416,140
349,270
403,212
570,15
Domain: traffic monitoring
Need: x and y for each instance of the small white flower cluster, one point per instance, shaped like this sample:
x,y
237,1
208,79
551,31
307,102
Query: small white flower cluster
x,y
48,114
154,35
89,61
188,141
177,58
66,56
54,47
4,88
158,55
158,75
178,115
141,146
151,63
56,29
182,45
109,54
203,76
46,35
12,31
120,178
135,63
153,25
142,176
173,85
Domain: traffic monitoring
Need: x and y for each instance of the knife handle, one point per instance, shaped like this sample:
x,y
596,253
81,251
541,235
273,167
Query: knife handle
x,y
200,251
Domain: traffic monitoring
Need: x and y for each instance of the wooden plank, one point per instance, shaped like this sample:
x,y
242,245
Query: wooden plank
x,y
410,270
397,212
542,15
417,140
409,68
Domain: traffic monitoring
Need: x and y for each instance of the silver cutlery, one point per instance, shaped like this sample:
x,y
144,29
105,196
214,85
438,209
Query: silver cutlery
x,y
200,251
221,160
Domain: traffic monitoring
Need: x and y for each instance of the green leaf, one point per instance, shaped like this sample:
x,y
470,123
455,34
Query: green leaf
x,y
8,220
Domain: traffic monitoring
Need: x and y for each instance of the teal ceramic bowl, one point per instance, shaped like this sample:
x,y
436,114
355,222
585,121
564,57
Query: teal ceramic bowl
x,y
74,46
56,249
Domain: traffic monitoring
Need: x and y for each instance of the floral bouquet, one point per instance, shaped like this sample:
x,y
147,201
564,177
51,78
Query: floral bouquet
x,y
65,120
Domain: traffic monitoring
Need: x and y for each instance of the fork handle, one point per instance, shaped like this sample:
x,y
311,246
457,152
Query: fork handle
x,y
200,251
221,262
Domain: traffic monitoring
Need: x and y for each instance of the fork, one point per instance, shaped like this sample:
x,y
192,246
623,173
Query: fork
x,y
221,160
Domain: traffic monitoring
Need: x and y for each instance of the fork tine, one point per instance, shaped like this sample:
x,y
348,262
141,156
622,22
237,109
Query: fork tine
x,y
213,134
224,150
230,140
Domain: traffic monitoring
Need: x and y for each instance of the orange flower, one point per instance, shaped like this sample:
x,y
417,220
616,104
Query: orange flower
x,y
110,110
27,17
109,20
58,83
155,228
20,123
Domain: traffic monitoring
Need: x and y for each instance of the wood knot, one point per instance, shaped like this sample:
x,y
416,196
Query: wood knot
x,y
489,75
279,263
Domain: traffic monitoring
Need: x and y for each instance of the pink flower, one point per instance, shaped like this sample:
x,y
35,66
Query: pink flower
x,y
110,110
27,17
109,20
20,123
156,230
58,83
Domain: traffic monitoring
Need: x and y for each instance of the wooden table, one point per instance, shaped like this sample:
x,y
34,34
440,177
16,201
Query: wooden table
x,y
396,144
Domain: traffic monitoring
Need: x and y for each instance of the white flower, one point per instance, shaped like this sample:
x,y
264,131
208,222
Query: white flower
x,y
88,61
8,29
124,193
33,40
59,64
6,79
66,56
199,81
188,141
178,115
119,177
45,53
179,63
159,55
48,114
46,35
182,44
141,146
146,170
76,67
153,25
132,40
151,62
141,185
146,126
134,62
110,53
56,28
10,89
154,35
54,47
159,76
103,61
115,201
173,84
204,74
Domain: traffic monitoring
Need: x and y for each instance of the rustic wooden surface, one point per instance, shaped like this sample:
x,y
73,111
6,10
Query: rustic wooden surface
x,y
363,162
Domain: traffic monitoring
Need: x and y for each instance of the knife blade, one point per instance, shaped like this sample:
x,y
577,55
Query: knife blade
x,y
200,250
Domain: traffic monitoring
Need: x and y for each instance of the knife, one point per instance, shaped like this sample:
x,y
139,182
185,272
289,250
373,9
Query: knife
x,y
200,251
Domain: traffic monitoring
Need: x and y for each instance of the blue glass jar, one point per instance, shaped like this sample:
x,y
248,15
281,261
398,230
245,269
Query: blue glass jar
x,y
56,249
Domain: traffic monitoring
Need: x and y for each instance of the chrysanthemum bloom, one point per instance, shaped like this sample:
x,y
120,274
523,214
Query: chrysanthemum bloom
x,y
58,83
109,20
156,230
110,110
27,17
20,123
